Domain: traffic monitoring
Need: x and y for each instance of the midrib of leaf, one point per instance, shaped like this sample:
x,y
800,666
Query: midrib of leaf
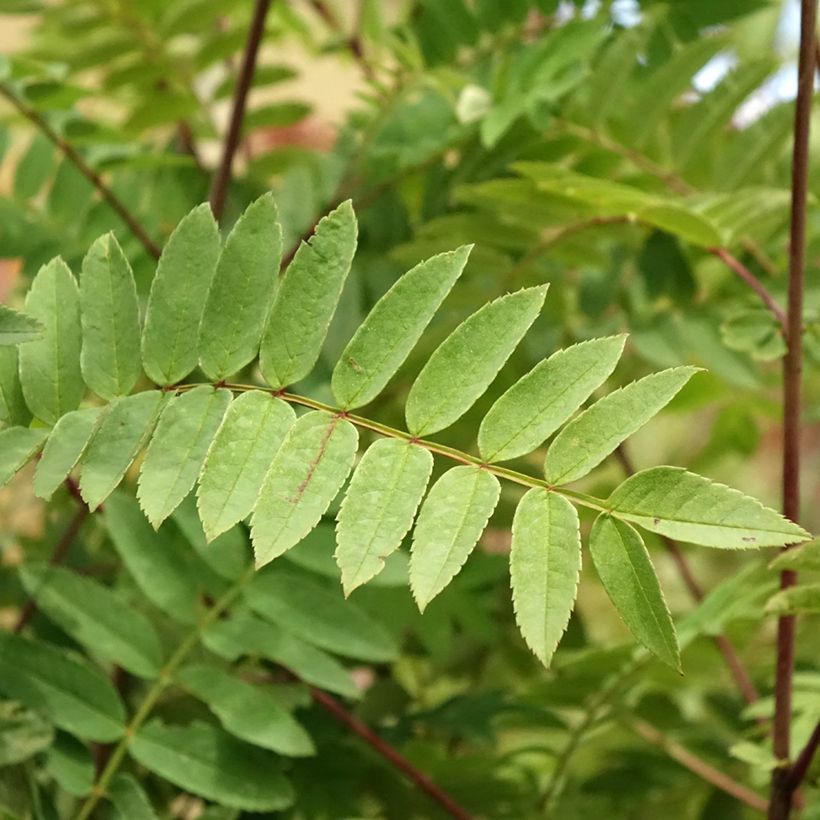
x,y
113,324
671,649
537,413
152,696
392,494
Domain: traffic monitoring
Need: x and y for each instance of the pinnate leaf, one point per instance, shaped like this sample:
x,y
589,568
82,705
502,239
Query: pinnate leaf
x,y
304,477
379,507
50,366
63,449
238,459
540,402
450,522
307,299
177,451
688,507
545,564
122,432
75,695
588,439
394,325
177,298
318,615
96,617
110,356
208,762
627,574
242,291
468,360
18,445
246,711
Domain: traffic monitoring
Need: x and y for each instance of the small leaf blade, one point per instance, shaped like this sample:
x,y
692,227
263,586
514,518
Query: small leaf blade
x,y
468,360
450,522
250,435
178,448
110,357
18,445
304,477
627,574
545,565
177,298
394,325
688,507
540,402
13,408
242,291
379,507
50,366
590,437
16,327
307,299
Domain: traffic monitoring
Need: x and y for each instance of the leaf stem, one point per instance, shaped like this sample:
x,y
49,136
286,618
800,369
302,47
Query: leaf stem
x,y
155,692
783,785
222,178
71,153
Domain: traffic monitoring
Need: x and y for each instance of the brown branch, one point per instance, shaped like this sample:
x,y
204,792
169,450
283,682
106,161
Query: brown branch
x,y
68,150
804,759
698,766
354,41
738,671
783,781
222,178
58,555
390,754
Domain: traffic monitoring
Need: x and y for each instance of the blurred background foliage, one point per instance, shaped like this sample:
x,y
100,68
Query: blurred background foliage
x,y
618,150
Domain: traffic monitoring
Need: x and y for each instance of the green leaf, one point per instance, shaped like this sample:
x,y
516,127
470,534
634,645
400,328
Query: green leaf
x,y
122,432
545,564
18,445
129,799
177,298
394,325
588,439
451,521
50,366
229,555
803,559
468,360
70,763
247,711
688,507
803,599
110,320
239,456
318,615
75,695
63,449
242,291
245,634
96,617
539,403
157,561
307,299
208,762
626,571
276,115
178,448
304,477
23,733
16,328
13,409
379,507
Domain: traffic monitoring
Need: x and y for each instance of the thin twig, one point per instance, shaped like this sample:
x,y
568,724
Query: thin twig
x,y
735,665
697,766
783,784
222,178
804,759
390,754
353,41
68,150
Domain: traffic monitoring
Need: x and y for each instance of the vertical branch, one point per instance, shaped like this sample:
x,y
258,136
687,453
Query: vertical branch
x,y
782,785
222,178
